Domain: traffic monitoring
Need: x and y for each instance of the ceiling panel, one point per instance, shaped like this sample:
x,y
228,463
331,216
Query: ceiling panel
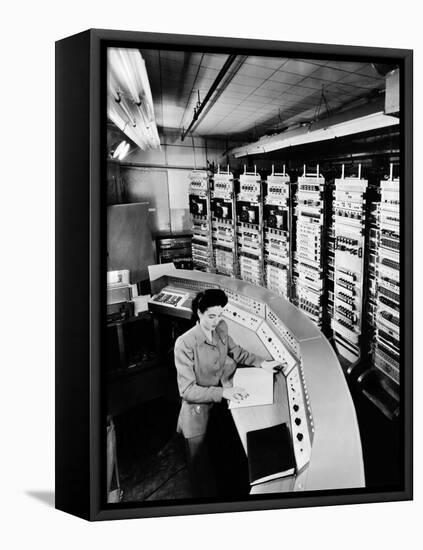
x,y
229,100
234,93
268,93
202,84
286,77
368,70
262,73
266,62
214,61
206,72
349,66
172,68
363,81
275,85
303,68
179,56
253,98
330,74
341,89
285,101
313,83
319,62
240,88
251,81
245,107
302,91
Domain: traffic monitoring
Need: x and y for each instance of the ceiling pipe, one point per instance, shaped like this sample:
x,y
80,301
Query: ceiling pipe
x,y
212,89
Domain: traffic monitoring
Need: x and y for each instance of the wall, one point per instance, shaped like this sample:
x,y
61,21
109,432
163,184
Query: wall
x,y
161,177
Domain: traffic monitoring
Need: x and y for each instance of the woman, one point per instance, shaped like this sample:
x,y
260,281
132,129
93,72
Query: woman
x,y
206,357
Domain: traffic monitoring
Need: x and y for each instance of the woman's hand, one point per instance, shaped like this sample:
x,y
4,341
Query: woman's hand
x,y
235,394
271,366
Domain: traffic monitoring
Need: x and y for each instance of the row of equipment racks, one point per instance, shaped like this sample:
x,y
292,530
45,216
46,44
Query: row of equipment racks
x,y
332,249
241,230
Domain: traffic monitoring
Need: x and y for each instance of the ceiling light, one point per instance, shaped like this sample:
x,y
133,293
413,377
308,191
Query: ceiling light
x,y
121,150
129,99
347,123
124,152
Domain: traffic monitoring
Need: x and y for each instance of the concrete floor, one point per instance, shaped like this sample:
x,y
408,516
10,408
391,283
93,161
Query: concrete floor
x,y
152,459
163,476
153,465
151,455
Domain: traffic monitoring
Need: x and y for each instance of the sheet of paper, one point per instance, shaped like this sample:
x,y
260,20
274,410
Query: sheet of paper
x,y
157,270
258,383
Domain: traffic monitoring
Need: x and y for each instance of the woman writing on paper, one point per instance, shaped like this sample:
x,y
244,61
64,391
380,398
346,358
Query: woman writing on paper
x,y
206,357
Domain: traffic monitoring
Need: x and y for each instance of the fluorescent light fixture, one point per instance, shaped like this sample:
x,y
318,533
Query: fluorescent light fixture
x,y
370,122
124,151
343,124
121,150
129,99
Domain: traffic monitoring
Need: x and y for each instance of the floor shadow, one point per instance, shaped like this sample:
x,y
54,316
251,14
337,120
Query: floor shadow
x,y
46,497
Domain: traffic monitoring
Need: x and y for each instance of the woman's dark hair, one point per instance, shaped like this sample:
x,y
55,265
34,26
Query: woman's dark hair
x,y
208,298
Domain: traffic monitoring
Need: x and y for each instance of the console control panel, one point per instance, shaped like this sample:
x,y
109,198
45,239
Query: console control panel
x,y
174,297
276,348
242,317
302,427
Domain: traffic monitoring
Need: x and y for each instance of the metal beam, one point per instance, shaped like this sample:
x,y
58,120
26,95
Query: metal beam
x,y
212,89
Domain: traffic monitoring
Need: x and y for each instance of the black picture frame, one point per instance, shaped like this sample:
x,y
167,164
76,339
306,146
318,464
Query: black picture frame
x,y
80,265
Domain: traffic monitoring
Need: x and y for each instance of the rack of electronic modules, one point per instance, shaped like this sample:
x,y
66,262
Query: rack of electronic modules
x,y
349,222
200,210
309,245
276,218
223,206
250,228
387,345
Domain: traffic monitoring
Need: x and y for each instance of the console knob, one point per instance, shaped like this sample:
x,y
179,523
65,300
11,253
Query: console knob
x,y
300,437
269,339
296,407
234,314
298,421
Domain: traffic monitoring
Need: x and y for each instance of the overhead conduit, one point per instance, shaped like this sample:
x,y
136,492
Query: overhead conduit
x,y
222,73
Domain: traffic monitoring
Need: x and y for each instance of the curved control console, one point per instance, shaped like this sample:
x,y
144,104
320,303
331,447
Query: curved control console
x,y
310,394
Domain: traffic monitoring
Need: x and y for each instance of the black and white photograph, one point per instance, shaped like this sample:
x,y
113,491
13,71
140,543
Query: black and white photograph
x,y
211,320
253,344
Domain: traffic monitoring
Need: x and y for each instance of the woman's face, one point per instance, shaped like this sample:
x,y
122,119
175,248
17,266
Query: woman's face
x,y
210,318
